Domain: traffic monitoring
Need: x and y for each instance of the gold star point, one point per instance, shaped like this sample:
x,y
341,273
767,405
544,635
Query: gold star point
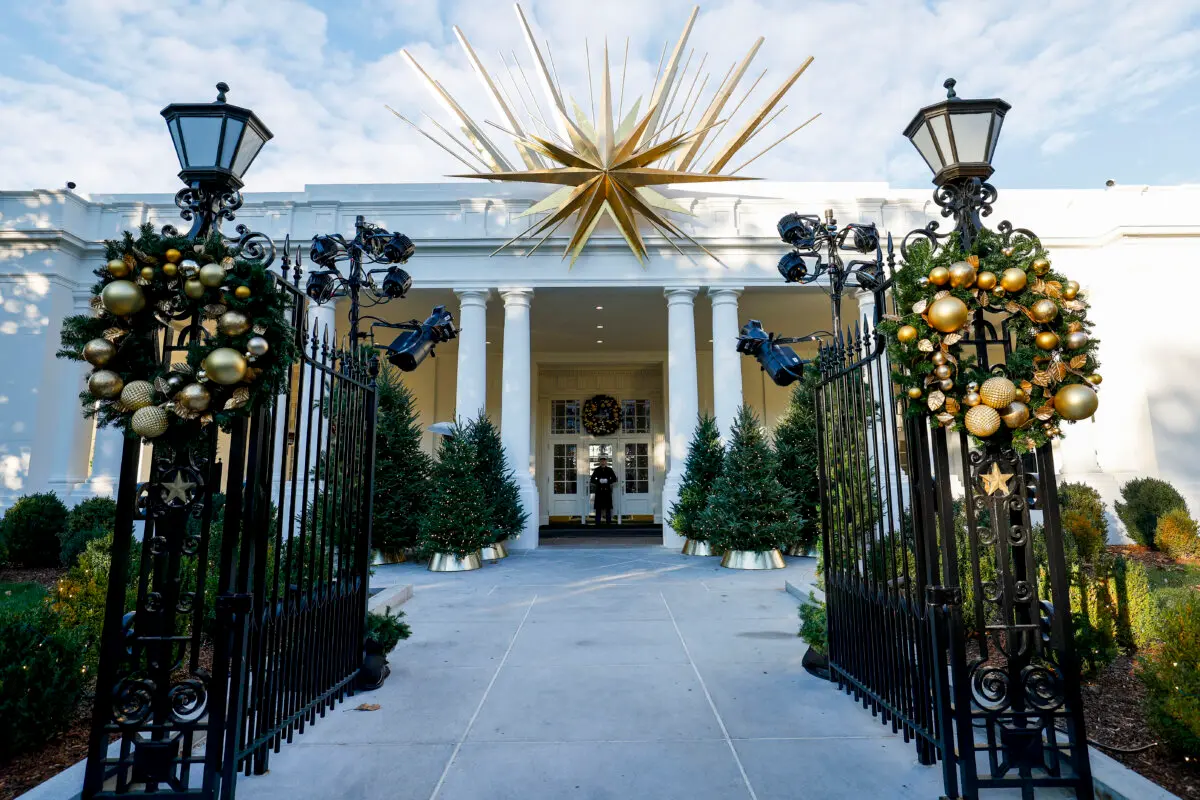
x,y
995,480
178,489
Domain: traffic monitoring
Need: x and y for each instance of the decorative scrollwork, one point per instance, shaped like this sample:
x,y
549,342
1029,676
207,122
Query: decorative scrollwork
x,y
1043,687
990,687
133,701
255,247
967,201
188,699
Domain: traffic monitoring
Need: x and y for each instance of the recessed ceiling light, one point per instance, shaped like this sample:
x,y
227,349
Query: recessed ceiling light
x,y
487,342
599,308
599,341
599,327
710,341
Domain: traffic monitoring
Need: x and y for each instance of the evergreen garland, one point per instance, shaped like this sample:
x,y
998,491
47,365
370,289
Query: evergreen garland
x,y
401,466
500,493
700,472
456,518
749,508
136,336
798,459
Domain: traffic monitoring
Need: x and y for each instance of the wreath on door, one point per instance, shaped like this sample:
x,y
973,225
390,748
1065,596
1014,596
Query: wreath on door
x,y
602,415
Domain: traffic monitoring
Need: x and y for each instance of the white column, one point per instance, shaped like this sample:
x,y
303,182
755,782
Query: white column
x,y
727,367
515,406
884,433
68,445
471,395
684,404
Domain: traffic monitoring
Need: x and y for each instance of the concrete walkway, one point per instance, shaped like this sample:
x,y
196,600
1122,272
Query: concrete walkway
x,y
629,674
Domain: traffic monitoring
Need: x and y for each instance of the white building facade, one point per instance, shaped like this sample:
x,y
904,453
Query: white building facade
x,y
540,337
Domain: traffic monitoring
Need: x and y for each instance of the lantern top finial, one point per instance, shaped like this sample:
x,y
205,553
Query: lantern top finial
x,y
222,88
949,84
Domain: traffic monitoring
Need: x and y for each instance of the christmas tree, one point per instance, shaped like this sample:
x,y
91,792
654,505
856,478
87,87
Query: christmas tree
x,y
500,493
796,451
401,466
749,509
700,471
455,519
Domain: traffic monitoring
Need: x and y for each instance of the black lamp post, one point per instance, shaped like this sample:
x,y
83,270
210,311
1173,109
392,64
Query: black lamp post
x,y
957,139
215,143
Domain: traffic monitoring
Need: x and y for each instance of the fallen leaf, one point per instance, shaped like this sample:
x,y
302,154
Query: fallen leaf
x,y
367,707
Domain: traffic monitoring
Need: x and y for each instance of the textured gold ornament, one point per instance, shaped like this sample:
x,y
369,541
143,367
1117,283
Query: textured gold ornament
x,y
906,334
137,394
173,255
943,370
1015,414
257,346
982,421
1013,279
150,422
105,384
939,276
118,268
948,314
972,399
194,397
1040,266
1043,311
242,293
99,352
1046,340
1077,341
123,298
233,323
1095,379
914,393
212,275
1077,401
193,288
997,392
962,274
225,366
995,480
986,281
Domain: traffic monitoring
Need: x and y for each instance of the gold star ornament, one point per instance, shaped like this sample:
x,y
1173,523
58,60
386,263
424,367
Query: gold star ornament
x,y
179,490
995,481
605,168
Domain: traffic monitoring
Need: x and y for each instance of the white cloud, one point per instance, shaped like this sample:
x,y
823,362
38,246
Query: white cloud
x,y
85,107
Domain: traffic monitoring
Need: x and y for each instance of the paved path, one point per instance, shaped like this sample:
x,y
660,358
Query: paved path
x,y
622,674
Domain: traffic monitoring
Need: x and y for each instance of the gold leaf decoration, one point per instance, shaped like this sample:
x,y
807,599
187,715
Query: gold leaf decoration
x,y
130,261
936,400
240,397
925,346
95,303
1012,307
115,334
1075,327
205,420
1054,288
945,418
1074,305
1078,362
183,412
143,281
161,386
183,368
941,294
892,317
1045,412
1042,378
252,374
214,310
983,297
973,261
951,339
1026,387
952,406
227,262
1038,286
261,329
920,306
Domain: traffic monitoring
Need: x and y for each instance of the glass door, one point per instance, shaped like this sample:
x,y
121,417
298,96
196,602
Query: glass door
x,y
597,451
636,478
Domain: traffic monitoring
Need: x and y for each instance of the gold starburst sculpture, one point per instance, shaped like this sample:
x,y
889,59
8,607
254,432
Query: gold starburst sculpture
x,y
605,168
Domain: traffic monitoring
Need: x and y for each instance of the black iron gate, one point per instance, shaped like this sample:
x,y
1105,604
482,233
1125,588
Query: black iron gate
x,y
995,696
245,615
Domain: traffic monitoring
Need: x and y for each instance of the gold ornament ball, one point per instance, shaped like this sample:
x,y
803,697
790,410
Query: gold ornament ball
x,y
939,276
982,421
147,273
938,358
257,346
1077,340
1020,396
137,394
174,256
906,334
1046,340
1077,401
1044,310
242,293
212,275
948,314
1013,279
105,384
233,323
943,371
914,393
997,392
1040,266
194,397
118,268
972,387
1015,414
150,422
188,267
225,366
170,270
986,281
945,384
923,282
193,288
999,291
962,274
972,399
1095,379
99,352
123,298
1071,290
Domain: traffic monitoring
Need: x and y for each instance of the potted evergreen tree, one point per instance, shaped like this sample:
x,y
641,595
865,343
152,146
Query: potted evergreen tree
x,y
401,470
455,520
500,493
699,473
797,456
750,514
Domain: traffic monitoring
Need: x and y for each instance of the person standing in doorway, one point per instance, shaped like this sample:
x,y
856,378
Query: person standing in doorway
x,y
602,483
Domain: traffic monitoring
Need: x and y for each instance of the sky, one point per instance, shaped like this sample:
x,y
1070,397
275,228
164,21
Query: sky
x,y
1100,89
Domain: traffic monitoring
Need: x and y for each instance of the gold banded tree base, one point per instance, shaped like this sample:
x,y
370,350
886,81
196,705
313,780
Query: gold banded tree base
x,y
802,550
449,562
494,551
388,555
753,559
695,547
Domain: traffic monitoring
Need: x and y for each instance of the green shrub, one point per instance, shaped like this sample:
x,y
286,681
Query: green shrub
x,y
1137,608
1093,620
1172,679
78,598
89,520
1088,538
814,624
31,528
387,629
1176,534
1083,499
1145,500
42,676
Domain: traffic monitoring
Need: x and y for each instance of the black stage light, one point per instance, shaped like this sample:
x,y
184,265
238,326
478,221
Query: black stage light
x,y
795,230
413,346
792,267
320,286
866,238
398,249
324,251
396,283
780,362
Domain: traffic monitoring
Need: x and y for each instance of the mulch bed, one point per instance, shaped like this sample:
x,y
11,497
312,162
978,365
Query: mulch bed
x,y
1137,552
46,576
1112,706
29,769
